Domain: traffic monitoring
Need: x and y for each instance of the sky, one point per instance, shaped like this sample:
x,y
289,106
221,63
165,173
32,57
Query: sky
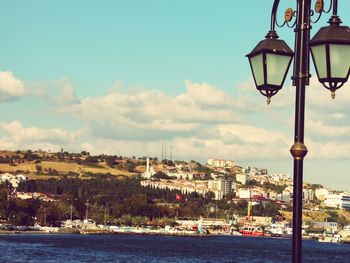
x,y
126,76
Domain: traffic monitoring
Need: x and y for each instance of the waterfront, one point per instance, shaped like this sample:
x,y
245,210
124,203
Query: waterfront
x,y
117,248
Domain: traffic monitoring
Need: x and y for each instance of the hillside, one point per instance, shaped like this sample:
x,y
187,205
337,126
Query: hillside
x,y
43,165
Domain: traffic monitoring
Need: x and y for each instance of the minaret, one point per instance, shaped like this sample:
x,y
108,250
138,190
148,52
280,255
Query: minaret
x,y
147,167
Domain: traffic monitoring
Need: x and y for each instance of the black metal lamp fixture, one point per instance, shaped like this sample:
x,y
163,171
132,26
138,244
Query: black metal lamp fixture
x,y
269,62
330,49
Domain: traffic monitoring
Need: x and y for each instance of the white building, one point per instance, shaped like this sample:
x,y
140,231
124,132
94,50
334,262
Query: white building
x,y
251,170
321,193
243,193
14,180
185,186
280,177
180,175
221,163
308,195
285,197
333,200
242,178
220,187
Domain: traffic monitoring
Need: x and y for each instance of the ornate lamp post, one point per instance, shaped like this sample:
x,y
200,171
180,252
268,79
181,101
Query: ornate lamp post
x,y
270,60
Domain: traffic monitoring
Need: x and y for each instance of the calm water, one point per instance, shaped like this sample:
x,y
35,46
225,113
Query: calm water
x,y
114,248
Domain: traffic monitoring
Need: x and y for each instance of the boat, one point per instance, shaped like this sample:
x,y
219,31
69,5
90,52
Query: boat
x,y
345,232
252,231
329,237
276,230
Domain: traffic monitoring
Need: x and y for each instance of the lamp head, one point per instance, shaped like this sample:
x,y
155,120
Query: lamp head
x,y
269,62
330,49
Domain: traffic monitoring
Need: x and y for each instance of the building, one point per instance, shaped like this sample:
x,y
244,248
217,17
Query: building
x,y
251,170
284,197
220,187
242,178
308,195
244,193
263,171
325,225
345,202
280,177
12,179
221,163
333,200
321,193
180,175
185,186
340,201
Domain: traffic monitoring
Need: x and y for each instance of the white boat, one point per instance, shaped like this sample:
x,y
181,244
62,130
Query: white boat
x,y
329,237
276,230
345,232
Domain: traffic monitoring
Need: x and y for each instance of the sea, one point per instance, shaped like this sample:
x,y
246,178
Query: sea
x,y
121,248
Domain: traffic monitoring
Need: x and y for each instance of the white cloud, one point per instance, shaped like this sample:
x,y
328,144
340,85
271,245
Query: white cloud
x,y
319,97
151,115
251,134
19,137
338,116
203,121
329,150
65,93
57,93
320,128
10,87
193,148
207,95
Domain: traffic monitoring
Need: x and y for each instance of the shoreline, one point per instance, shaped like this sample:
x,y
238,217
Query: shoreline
x,y
130,233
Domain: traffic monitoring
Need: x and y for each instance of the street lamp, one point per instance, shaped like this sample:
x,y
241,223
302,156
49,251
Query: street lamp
x,y
330,49
270,60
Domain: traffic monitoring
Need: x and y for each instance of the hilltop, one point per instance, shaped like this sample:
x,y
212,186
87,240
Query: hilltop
x,y
44,165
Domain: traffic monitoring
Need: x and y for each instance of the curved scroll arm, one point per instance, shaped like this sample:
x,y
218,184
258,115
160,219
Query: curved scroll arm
x,y
330,7
273,14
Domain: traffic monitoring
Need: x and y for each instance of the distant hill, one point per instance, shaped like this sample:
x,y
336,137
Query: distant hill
x,y
40,164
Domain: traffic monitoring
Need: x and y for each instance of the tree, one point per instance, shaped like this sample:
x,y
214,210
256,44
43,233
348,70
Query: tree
x,y
21,219
209,197
240,208
161,175
50,214
39,169
4,202
110,161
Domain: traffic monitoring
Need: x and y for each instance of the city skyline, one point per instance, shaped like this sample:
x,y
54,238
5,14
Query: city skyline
x,y
123,77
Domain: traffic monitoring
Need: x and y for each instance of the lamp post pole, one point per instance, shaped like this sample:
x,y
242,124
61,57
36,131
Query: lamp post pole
x,y
269,62
300,80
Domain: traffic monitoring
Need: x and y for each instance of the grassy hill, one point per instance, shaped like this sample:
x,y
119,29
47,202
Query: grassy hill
x,y
46,165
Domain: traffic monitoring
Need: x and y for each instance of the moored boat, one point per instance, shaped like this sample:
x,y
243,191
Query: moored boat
x,y
329,237
276,230
252,231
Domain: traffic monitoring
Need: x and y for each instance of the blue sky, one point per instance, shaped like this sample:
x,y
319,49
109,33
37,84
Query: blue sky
x,y
122,77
